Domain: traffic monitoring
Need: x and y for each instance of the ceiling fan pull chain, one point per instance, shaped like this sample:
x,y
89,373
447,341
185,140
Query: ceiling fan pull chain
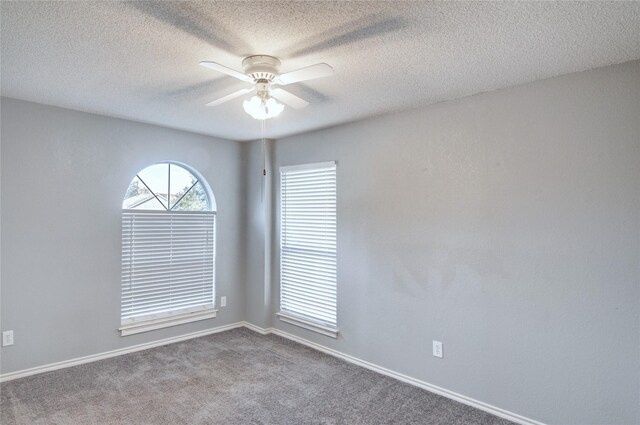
x,y
264,161
264,150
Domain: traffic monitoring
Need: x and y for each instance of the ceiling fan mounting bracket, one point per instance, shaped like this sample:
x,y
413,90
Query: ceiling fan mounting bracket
x,y
261,67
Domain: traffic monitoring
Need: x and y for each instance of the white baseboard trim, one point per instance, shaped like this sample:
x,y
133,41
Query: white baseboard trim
x,y
113,353
258,329
514,417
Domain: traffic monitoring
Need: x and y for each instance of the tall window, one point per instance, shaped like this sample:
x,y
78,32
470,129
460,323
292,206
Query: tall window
x,y
168,250
308,246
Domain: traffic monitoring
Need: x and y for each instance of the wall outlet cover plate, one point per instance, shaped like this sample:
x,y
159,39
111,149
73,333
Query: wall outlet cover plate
x,y
437,349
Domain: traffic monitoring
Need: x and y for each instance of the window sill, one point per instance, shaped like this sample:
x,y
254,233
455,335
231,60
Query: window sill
x,y
165,322
307,324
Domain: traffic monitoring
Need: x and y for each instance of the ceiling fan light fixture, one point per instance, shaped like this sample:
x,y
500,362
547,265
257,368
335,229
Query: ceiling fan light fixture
x,y
262,109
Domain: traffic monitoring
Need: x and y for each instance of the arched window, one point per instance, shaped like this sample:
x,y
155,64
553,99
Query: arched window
x,y
168,249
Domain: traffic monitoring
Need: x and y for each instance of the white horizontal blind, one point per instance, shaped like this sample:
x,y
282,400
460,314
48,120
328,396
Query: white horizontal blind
x,y
168,263
308,242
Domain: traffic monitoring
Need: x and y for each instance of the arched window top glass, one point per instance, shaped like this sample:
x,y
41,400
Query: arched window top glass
x,y
167,186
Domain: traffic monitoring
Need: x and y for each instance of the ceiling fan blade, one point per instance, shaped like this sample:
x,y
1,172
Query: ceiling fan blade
x,y
318,70
229,97
225,70
289,99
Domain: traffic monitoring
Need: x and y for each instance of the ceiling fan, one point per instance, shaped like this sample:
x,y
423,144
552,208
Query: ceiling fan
x,y
263,72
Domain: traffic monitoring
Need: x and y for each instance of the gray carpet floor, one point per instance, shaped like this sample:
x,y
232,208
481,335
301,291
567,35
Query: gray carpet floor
x,y
234,377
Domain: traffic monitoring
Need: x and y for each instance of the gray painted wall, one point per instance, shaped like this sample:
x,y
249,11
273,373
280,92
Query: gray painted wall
x,y
505,225
64,174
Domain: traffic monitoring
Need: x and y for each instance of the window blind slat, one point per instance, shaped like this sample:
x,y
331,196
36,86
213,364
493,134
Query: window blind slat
x,y
310,278
321,296
158,263
161,281
161,301
311,269
308,243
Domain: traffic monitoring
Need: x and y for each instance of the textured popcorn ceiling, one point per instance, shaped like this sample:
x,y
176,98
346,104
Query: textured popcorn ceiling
x,y
139,60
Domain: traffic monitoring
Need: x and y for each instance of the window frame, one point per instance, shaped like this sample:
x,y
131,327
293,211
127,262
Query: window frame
x,y
180,315
291,317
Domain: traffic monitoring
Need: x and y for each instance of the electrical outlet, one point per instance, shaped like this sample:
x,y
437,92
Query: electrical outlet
x,y
7,338
223,301
437,349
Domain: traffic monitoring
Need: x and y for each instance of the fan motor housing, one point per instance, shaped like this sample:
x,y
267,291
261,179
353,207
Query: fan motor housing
x,y
261,67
